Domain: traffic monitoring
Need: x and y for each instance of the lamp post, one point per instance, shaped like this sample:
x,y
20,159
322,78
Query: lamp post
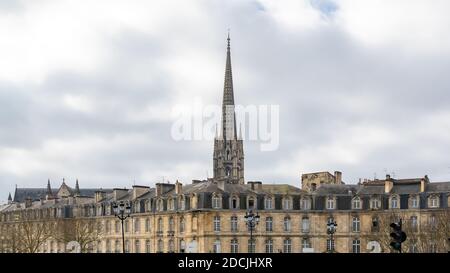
x,y
122,211
251,219
331,229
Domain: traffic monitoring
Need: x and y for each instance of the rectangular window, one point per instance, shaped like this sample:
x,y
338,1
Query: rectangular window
x,y
216,223
251,246
287,246
147,246
269,246
306,243
234,246
305,225
330,245
356,246
269,224
234,223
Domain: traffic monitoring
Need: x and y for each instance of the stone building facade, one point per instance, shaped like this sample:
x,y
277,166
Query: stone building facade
x,y
208,215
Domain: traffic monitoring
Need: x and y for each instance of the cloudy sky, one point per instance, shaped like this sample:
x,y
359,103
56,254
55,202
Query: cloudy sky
x,y
87,88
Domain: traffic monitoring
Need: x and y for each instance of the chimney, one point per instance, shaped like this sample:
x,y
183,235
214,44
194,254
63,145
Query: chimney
x,y
118,193
28,202
423,183
388,184
255,185
99,196
178,187
337,177
139,190
162,188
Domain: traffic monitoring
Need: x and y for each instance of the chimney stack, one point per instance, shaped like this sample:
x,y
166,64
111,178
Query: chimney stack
x,y
388,184
139,190
337,177
28,202
99,196
178,187
423,183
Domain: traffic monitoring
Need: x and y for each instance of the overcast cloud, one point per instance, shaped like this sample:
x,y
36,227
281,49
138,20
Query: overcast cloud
x,y
87,88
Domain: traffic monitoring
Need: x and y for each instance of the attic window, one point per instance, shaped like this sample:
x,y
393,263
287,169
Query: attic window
x,y
251,203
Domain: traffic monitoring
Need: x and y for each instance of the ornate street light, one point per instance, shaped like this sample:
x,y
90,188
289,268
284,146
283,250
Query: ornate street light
x,y
122,210
331,229
251,219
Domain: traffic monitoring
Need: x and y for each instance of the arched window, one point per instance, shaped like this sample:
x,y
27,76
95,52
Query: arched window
x,y
227,171
160,205
171,204
181,203
356,203
234,202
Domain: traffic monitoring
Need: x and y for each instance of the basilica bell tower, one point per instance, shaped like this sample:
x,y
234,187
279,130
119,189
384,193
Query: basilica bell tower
x,y
228,147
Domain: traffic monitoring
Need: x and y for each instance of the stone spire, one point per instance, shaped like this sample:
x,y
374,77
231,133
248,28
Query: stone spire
x,y
9,199
228,117
49,188
77,189
228,158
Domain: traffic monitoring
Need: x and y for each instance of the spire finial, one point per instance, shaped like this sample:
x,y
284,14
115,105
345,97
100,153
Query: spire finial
x,y
228,39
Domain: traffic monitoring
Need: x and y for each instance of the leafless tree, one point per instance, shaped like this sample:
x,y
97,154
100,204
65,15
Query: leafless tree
x,y
85,231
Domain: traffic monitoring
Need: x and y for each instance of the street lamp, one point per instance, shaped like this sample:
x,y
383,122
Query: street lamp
x,y
331,229
251,219
122,211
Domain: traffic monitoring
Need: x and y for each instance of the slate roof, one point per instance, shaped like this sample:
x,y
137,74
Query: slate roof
x,y
39,193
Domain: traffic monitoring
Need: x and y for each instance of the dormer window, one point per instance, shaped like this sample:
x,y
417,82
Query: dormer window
x,y
305,203
160,205
171,204
181,203
268,202
375,203
433,201
394,202
216,201
251,202
356,203
194,201
287,203
234,202
414,202
331,203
